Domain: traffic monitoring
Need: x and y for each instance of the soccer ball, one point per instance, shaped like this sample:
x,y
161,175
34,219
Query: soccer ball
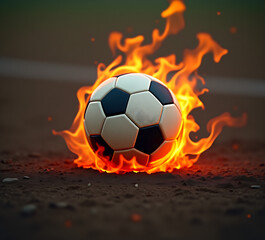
x,y
134,115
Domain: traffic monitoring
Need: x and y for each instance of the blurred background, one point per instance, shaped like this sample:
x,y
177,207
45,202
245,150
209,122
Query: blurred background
x,y
51,48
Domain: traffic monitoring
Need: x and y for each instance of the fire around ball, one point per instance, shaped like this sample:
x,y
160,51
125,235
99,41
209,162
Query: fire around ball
x,y
132,115
135,116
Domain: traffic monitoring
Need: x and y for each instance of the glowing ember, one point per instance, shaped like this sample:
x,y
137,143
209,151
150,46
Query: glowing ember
x,y
183,84
233,30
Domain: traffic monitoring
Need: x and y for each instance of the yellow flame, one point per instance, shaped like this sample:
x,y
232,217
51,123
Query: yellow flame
x,y
134,58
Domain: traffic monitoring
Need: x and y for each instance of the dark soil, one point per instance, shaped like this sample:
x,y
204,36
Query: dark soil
x,y
221,197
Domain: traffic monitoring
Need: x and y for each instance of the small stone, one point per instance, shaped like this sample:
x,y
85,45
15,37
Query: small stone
x,y
9,180
189,182
255,186
94,210
26,177
73,187
61,205
147,206
5,161
136,185
89,184
28,210
128,195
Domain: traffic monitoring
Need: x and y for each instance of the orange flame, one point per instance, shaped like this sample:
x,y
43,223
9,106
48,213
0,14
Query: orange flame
x,y
184,152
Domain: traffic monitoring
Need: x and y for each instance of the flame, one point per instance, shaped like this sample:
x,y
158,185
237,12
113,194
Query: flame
x,y
134,58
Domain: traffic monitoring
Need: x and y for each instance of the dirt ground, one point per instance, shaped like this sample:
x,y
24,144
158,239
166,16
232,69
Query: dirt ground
x,y
221,197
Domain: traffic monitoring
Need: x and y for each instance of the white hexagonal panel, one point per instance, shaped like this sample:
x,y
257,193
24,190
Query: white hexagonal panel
x,y
133,82
175,99
144,109
103,88
162,151
170,121
128,154
94,118
119,132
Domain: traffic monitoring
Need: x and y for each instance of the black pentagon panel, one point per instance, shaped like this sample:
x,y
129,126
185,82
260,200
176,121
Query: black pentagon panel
x,y
149,139
161,93
115,102
96,142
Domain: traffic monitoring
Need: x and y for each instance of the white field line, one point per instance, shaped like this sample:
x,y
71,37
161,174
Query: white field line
x,y
46,71
63,72
236,86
